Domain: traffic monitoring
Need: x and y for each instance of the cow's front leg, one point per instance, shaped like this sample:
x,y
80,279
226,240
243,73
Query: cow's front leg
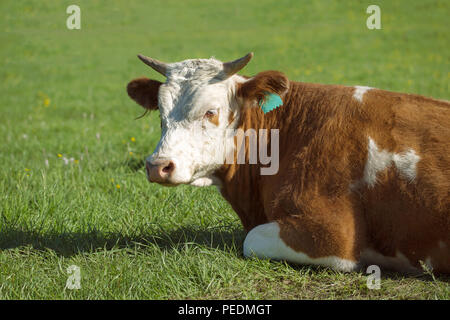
x,y
305,241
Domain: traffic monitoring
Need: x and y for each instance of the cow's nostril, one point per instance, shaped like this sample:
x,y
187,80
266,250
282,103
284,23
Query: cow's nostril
x,y
160,170
169,168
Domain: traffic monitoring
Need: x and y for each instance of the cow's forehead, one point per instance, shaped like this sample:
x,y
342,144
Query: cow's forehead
x,y
189,83
195,70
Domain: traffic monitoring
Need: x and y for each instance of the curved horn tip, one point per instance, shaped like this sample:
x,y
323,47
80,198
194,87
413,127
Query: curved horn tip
x,y
143,58
234,66
156,65
246,58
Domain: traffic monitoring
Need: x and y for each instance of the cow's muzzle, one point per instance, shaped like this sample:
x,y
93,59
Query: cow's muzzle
x,y
159,171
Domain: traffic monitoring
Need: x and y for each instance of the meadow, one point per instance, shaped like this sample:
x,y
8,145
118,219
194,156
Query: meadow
x,y
73,189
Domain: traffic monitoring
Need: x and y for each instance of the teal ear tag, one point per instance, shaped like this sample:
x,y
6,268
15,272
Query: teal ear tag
x,y
271,101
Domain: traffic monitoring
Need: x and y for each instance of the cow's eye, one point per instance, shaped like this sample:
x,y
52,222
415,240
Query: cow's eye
x,y
211,113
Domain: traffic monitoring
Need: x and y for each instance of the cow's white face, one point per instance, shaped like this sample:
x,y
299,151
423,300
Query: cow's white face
x,y
195,109
199,109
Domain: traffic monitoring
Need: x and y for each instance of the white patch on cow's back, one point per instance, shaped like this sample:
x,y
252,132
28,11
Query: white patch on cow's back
x,y
379,160
376,161
406,164
399,262
264,242
359,92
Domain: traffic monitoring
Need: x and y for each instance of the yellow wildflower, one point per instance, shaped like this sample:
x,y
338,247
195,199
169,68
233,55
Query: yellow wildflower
x,y
118,186
59,155
46,102
133,139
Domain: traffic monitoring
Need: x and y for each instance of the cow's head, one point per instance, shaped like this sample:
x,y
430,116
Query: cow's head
x,y
199,104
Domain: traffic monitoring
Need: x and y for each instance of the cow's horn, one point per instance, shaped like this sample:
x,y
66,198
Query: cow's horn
x,y
159,66
232,67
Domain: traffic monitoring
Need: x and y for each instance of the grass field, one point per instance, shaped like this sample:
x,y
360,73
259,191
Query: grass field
x,y
72,185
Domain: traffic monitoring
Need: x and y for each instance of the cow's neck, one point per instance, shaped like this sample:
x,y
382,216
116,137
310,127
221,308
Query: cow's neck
x,y
242,184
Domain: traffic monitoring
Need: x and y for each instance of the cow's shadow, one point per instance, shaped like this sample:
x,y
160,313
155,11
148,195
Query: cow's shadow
x,y
68,244
224,238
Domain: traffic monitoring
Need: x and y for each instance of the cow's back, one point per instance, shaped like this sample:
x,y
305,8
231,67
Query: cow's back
x,y
406,179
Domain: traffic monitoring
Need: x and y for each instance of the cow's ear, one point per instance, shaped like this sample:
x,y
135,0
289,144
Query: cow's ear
x,y
145,92
254,91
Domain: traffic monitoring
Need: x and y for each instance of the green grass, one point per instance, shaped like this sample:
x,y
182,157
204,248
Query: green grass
x,y
63,93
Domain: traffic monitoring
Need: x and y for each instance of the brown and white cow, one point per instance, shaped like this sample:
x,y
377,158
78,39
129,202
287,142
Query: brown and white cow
x,y
363,177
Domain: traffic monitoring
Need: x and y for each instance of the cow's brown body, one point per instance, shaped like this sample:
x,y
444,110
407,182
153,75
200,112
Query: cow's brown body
x,y
317,197
363,174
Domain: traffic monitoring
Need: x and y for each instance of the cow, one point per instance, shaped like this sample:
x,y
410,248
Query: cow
x,y
363,174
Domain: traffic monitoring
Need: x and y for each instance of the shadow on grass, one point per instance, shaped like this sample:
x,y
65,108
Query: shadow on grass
x,y
70,243
223,238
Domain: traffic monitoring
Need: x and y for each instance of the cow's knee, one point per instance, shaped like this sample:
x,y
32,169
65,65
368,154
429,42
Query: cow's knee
x,y
264,242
